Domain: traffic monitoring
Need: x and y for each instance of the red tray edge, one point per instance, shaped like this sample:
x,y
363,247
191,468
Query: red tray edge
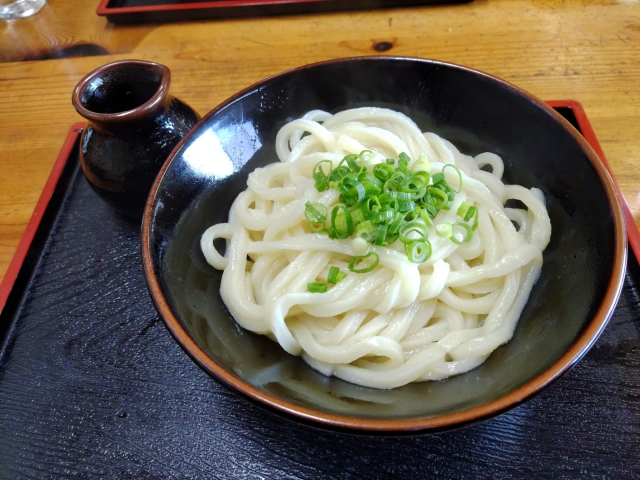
x,y
103,10
9,279
633,234
36,217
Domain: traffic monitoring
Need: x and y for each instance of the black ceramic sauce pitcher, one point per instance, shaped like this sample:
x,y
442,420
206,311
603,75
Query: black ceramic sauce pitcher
x,y
133,125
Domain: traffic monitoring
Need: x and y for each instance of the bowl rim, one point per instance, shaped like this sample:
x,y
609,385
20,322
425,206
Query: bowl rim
x,y
433,424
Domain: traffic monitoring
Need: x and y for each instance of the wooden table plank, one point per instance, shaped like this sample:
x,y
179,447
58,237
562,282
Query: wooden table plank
x,y
588,51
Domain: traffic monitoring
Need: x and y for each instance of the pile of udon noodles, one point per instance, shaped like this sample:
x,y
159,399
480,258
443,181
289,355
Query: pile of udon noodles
x,y
402,322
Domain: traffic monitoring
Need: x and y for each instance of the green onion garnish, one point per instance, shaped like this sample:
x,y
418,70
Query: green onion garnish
x,y
362,258
472,213
381,234
341,222
387,202
448,165
335,275
444,230
465,237
418,229
467,212
418,251
317,287
320,177
439,198
316,215
422,164
463,209
315,212
424,215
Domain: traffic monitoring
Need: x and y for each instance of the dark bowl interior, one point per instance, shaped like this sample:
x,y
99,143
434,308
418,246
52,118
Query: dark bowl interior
x,y
580,277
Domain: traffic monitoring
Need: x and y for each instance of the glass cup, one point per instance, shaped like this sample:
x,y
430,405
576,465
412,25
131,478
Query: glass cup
x,y
13,9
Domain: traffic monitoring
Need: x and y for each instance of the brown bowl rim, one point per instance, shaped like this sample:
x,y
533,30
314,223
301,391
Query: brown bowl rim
x,y
158,98
414,425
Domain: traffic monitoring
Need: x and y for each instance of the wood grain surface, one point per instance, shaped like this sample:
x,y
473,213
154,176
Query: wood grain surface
x,y
588,51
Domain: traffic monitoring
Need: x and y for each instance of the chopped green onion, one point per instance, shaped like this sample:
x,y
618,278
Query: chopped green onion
x,y
317,227
444,230
383,171
316,215
475,220
353,163
419,194
462,210
335,275
411,216
382,217
449,165
321,182
351,190
396,181
386,202
337,174
369,205
418,251
366,230
341,222
401,196
315,212
468,233
422,165
317,287
359,245
381,234
406,206
404,158
414,227
470,213
390,238
418,180
442,198
424,215
360,258
438,178
371,188
394,226
357,216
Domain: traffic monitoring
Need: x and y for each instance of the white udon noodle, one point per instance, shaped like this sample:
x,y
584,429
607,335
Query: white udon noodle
x,y
402,322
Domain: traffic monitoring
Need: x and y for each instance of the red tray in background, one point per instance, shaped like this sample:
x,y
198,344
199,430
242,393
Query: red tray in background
x,y
153,11
569,109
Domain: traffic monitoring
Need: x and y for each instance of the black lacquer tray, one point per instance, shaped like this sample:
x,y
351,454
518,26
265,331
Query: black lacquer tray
x,y
151,11
93,385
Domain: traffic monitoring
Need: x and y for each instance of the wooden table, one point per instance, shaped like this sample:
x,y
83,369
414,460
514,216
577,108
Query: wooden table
x,y
588,51
122,389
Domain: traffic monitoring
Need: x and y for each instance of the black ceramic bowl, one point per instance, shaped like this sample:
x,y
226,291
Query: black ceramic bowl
x,y
569,306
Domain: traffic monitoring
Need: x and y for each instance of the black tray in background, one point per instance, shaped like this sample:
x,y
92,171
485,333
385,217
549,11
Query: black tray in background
x,y
93,385
151,11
